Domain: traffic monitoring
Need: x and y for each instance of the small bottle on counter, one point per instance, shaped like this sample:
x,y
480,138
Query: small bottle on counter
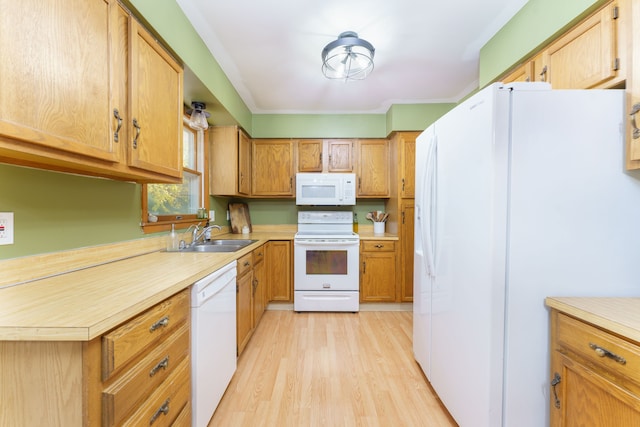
x,y
173,240
355,222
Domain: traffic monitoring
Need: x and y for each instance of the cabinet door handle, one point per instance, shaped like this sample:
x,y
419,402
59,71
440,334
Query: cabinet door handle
x,y
403,184
364,267
163,364
159,324
137,126
379,246
634,111
543,74
164,409
116,114
554,382
603,352
247,263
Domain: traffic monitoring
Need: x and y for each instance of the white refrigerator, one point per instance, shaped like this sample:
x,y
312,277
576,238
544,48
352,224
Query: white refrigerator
x,y
521,193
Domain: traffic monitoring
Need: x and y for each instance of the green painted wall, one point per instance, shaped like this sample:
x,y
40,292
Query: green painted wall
x,y
56,211
319,126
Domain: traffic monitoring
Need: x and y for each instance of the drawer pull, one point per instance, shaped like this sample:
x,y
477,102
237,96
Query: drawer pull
x,y
159,324
163,364
602,352
164,409
554,382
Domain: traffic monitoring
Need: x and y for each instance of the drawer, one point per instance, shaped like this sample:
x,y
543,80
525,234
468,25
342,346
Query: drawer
x,y
245,264
184,419
136,384
258,255
155,324
378,245
167,401
600,348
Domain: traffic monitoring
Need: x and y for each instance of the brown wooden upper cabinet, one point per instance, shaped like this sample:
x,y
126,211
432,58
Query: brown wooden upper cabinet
x,y
587,56
373,168
229,162
329,155
524,73
272,168
64,103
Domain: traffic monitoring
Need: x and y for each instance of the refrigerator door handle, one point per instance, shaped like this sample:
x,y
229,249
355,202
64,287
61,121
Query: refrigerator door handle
x,y
428,208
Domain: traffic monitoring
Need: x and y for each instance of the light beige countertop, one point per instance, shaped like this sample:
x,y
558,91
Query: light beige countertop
x,y
83,304
618,315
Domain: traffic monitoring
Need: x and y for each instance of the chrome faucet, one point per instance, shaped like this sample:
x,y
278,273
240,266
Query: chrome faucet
x,y
203,232
194,233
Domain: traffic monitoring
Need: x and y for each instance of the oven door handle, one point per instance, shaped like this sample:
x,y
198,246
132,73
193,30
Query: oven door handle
x,y
315,243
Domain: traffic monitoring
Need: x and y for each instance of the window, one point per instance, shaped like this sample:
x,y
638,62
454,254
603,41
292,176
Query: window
x,y
179,203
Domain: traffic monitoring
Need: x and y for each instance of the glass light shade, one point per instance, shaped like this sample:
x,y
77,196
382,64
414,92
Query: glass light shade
x,y
348,58
199,120
198,116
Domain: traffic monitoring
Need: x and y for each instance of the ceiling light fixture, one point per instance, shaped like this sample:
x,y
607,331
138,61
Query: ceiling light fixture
x,y
198,116
347,58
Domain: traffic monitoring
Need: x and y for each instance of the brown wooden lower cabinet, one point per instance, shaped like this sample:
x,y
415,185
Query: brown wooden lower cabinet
x,y
378,268
595,375
279,271
70,383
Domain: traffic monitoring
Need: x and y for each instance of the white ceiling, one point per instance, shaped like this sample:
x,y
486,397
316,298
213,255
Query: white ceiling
x,y
426,50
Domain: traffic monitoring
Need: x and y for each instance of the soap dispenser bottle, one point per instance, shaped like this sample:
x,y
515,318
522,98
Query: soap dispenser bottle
x,y
355,222
173,240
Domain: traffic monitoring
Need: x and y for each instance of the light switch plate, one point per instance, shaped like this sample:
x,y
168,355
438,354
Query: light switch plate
x,y
212,215
6,228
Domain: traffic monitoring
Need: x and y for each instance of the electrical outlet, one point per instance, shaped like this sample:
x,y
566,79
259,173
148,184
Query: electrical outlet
x,y
212,215
6,228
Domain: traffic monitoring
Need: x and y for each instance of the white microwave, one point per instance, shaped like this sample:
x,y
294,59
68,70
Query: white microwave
x,y
325,189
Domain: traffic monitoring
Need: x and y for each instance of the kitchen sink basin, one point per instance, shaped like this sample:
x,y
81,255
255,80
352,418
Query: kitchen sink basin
x,y
219,242
220,245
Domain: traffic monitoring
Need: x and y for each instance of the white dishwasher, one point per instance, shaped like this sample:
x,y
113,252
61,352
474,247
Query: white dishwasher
x,y
213,341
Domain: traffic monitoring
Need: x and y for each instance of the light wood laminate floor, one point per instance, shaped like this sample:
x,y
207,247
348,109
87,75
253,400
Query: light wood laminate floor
x,y
330,369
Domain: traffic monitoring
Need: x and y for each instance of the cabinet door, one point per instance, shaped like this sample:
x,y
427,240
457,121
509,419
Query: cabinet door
x,y
244,289
378,271
272,167
523,73
56,85
408,164
258,289
407,211
373,168
156,106
310,155
340,155
633,90
244,164
279,264
585,57
582,397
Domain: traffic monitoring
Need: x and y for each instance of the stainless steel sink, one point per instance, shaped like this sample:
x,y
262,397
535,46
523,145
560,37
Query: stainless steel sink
x,y
220,245
241,242
213,248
